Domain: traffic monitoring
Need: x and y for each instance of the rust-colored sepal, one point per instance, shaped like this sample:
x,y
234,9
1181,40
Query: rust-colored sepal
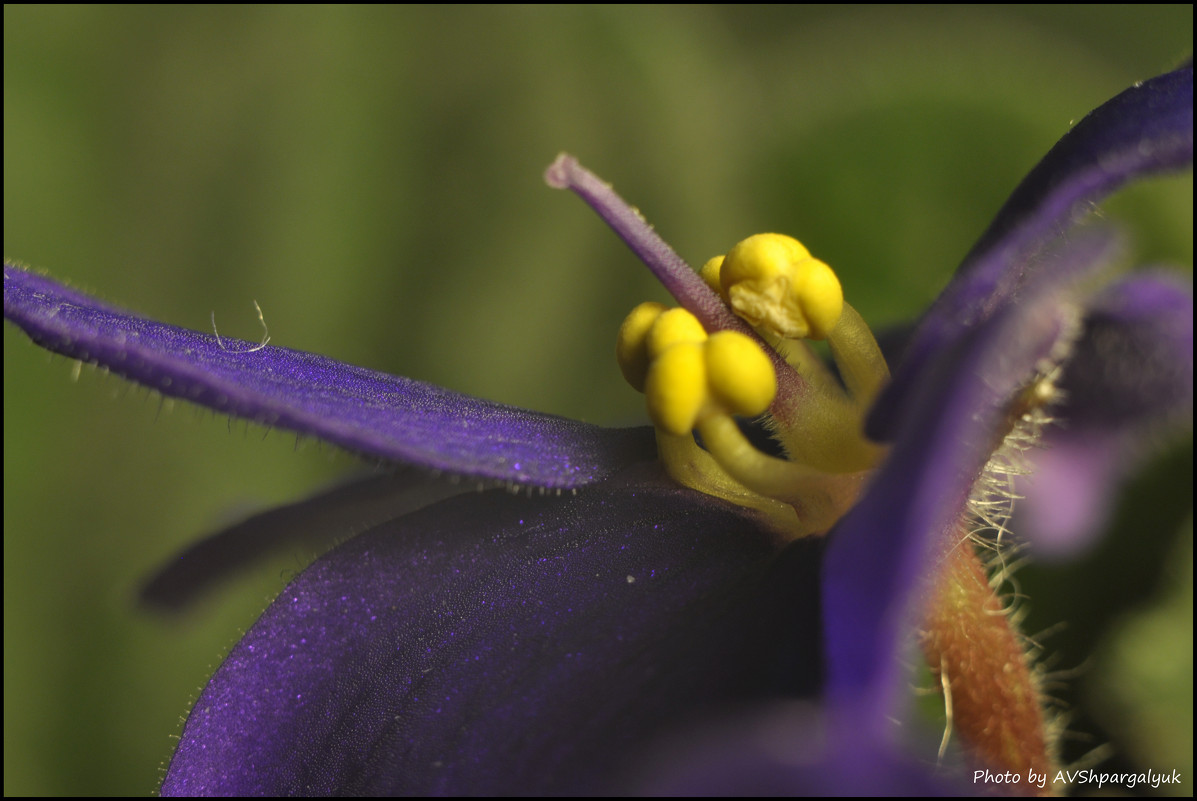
x,y
976,652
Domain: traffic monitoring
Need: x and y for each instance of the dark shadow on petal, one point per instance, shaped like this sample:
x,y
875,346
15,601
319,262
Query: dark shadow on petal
x,y
788,749
314,524
1134,362
494,644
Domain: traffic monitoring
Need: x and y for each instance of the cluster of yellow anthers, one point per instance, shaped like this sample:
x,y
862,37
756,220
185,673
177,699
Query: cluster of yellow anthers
x,y
695,381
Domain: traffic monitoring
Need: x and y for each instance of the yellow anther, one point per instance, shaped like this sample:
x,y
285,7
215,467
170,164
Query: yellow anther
x,y
772,281
689,381
739,374
710,273
647,333
673,327
631,349
676,388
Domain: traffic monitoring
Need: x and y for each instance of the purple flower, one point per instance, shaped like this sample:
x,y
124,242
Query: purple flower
x,y
499,642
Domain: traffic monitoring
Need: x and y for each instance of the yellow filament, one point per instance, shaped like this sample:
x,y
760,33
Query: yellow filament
x,y
692,467
819,498
856,353
808,364
825,431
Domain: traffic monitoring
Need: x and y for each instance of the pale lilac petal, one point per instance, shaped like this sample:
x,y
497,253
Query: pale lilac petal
x,y
1069,492
1127,385
371,413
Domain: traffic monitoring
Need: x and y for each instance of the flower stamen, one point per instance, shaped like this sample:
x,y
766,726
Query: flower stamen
x,y
699,383
736,348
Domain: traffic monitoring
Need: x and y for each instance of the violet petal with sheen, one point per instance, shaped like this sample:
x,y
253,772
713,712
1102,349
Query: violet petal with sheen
x,y
879,553
510,645
368,412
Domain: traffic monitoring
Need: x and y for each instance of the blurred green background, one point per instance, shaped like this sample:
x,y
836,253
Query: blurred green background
x,y
372,177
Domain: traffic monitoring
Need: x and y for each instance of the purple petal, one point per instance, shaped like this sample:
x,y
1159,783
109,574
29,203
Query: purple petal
x,y
493,644
1134,363
881,551
1130,376
375,414
313,524
1145,130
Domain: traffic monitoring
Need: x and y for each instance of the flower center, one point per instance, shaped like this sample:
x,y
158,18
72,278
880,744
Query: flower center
x,y
698,382
737,347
